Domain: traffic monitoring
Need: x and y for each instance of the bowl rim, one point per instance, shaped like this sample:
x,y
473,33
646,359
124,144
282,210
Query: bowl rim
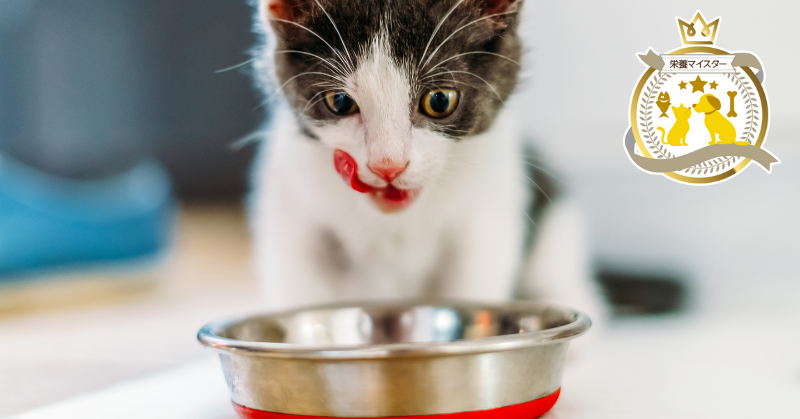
x,y
209,335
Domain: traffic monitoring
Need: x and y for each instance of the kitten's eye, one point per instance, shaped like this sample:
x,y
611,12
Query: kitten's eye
x,y
340,104
439,103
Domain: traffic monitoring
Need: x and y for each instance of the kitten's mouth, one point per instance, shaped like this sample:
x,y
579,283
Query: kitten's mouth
x,y
388,198
391,199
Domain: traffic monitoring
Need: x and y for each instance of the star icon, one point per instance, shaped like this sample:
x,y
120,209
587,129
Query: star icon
x,y
682,84
697,85
713,85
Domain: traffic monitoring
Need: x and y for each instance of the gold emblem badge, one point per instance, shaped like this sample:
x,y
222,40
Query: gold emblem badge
x,y
699,114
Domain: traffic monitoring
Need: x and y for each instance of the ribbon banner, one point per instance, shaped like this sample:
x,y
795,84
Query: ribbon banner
x,y
759,155
698,64
702,63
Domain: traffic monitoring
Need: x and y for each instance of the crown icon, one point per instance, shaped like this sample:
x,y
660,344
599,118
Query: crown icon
x,y
702,34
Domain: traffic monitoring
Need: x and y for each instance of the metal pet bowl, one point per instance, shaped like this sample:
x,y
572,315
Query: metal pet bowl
x,y
386,360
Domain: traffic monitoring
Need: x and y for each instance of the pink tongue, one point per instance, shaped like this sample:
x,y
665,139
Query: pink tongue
x,y
347,167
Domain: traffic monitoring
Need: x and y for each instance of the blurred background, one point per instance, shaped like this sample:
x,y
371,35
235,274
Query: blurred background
x,y
121,103
89,88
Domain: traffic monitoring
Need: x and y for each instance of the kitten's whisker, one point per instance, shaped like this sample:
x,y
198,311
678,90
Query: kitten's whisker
x,y
479,78
435,86
309,104
530,219
246,140
326,85
322,92
333,67
235,66
445,70
350,59
338,54
445,81
533,182
441,22
471,53
437,74
300,75
479,87
433,54
543,171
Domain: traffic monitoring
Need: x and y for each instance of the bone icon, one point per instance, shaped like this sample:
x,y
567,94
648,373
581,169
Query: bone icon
x,y
732,113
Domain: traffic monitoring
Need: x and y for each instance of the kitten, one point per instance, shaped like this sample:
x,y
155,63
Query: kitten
x,y
405,102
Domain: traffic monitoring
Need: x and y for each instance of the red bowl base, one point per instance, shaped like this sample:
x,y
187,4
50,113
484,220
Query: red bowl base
x,y
529,410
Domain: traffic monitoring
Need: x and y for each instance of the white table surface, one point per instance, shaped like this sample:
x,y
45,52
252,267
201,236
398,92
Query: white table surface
x,y
694,366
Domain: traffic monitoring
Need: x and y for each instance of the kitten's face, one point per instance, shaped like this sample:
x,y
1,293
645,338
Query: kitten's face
x,y
682,113
393,85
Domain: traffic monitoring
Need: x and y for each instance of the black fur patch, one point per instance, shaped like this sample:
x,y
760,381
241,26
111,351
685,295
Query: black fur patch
x,y
486,74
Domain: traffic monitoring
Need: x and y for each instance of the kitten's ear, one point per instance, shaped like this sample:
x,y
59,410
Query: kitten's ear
x,y
286,10
499,7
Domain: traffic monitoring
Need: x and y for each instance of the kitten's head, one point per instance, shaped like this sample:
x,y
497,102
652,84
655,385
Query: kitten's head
x,y
393,85
682,113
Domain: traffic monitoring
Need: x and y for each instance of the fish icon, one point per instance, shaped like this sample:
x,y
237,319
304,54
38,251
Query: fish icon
x,y
663,104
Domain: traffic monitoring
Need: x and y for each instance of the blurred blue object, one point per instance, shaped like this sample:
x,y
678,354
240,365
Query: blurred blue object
x,y
48,222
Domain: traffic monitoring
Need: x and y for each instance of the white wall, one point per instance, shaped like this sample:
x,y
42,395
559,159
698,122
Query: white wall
x,y
738,239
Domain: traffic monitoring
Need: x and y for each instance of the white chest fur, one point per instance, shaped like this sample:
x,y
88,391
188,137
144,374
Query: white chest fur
x,y
318,241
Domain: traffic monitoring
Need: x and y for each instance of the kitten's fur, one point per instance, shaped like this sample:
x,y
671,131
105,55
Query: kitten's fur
x,y
319,241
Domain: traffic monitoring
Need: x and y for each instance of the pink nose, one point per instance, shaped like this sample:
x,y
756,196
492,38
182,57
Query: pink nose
x,y
388,171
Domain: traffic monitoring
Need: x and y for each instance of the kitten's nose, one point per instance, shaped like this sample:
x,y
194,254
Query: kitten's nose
x,y
388,171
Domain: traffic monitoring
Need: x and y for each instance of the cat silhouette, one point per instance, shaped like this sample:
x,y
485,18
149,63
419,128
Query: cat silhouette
x,y
679,131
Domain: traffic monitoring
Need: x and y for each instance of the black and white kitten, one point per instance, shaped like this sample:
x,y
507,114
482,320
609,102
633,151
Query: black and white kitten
x,y
405,101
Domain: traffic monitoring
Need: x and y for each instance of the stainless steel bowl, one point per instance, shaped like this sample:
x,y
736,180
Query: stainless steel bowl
x,y
394,359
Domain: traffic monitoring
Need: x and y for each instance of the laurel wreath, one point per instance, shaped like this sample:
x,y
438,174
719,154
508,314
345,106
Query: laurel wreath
x,y
718,164
710,166
746,89
645,112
